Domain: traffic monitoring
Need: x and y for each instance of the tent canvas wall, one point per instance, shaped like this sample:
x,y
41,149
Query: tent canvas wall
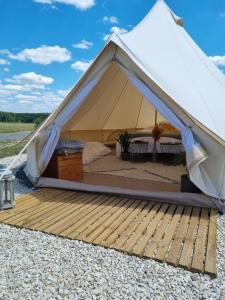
x,y
112,106
156,65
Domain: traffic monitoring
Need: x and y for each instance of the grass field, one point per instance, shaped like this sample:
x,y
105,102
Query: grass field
x,y
6,151
15,127
5,146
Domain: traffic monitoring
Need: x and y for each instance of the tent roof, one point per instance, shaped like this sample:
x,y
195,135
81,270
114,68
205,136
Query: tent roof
x,y
113,104
161,47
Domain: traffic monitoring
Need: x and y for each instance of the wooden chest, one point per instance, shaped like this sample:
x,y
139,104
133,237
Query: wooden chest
x,y
66,167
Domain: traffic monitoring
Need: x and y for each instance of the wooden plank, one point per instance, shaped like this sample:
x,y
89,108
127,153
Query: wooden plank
x,y
47,200
186,255
81,225
65,224
23,205
140,246
141,228
210,262
51,212
103,227
38,195
83,216
138,227
91,227
169,235
76,214
40,198
123,225
86,228
175,249
32,194
57,215
152,246
54,203
115,224
124,237
32,209
200,244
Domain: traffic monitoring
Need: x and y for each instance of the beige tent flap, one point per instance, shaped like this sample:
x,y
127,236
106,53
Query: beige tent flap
x,y
114,105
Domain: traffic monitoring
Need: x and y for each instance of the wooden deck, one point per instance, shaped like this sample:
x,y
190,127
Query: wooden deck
x,y
181,236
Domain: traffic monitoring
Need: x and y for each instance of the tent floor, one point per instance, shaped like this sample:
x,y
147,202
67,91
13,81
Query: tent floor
x,y
181,236
129,183
137,175
141,169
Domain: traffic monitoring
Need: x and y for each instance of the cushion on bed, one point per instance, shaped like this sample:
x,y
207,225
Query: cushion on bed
x,y
93,151
167,127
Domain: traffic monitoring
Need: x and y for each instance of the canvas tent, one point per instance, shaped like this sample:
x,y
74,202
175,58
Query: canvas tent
x,y
155,66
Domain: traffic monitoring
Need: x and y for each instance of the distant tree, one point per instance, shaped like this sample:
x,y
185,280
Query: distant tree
x,y
9,117
38,121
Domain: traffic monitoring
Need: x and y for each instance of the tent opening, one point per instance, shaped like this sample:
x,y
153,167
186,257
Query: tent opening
x,y
113,107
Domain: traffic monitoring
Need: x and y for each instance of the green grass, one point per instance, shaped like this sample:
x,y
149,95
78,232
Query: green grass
x,y
15,127
9,151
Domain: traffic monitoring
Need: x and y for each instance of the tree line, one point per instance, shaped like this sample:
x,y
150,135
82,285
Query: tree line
x,y
10,117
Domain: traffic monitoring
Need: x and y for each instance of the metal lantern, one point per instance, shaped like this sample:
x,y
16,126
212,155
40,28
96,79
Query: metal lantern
x,y
7,196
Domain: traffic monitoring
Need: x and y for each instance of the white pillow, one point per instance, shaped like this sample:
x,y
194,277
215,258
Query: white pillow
x,y
93,151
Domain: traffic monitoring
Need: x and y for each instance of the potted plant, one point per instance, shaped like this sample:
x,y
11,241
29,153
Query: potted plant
x,y
156,134
124,140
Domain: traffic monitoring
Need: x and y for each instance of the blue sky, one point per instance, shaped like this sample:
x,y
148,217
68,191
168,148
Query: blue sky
x,y
46,45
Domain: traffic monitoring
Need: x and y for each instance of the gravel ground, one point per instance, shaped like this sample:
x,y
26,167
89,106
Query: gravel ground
x,y
20,189
35,265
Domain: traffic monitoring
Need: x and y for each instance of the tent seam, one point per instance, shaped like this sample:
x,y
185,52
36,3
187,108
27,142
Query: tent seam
x,y
116,103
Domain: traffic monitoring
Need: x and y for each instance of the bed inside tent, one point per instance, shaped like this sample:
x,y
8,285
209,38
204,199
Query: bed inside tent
x,y
113,107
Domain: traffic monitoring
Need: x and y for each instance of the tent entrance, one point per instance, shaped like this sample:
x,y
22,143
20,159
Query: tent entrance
x,y
114,105
106,108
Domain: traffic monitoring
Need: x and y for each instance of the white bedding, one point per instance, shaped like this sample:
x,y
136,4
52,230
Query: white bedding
x,y
93,151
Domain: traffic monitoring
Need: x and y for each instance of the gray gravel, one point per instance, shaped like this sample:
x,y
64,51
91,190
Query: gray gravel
x,y
35,265
20,189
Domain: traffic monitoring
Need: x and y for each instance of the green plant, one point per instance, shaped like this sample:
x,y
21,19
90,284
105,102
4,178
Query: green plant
x,y
124,140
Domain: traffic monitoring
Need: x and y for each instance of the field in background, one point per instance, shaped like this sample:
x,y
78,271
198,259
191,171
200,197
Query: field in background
x,y
15,127
6,150
10,148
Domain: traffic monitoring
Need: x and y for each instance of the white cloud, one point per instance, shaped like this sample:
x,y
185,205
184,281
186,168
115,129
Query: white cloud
x,y
32,79
117,30
84,44
43,55
27,98
6,69
4,61
222,15
12,89
79,4
218,60
111,19
62,93
31,101
81,65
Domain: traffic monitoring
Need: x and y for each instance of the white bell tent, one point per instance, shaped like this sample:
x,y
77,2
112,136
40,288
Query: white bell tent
x,y
155,66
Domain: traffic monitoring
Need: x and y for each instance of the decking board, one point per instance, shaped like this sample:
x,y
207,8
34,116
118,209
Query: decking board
x,y
182,236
